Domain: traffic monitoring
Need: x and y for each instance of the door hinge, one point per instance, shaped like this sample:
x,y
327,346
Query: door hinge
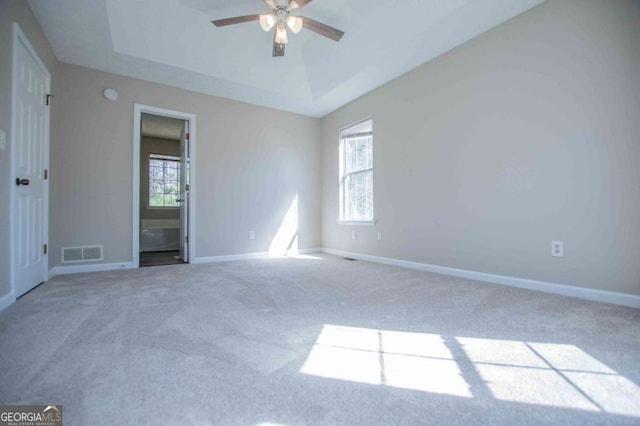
x,y
45,249
46,174
186,187
48,99
186,239
186,136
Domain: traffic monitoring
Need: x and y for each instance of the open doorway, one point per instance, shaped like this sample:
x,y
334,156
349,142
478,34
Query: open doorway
x,y
162,181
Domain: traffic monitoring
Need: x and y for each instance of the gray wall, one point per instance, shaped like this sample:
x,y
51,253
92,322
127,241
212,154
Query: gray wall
x,y
251,162
14,11
526,134
150,145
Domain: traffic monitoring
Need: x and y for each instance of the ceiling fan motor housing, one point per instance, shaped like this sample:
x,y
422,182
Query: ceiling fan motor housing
x,y
281,14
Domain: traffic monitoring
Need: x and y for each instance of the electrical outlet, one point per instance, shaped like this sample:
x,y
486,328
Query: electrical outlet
x,y
354,235
379,235
557,248
252,235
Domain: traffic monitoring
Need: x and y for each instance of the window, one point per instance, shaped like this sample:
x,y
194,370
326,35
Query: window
x,y
356,172
164,180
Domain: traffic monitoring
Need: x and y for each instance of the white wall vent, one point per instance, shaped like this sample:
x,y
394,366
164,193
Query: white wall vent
x,y
81,254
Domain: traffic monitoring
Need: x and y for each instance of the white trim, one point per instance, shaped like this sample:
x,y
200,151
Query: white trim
x,y
311,250
231,257
20,37
159,157
7,300
138,109
357,222
342,174
356,123
79,269
251,256
615,298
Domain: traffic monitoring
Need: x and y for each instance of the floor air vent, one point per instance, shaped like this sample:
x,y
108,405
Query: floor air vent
x,y
81,254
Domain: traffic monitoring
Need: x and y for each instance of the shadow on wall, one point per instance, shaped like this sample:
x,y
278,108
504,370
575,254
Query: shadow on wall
x,y
285,242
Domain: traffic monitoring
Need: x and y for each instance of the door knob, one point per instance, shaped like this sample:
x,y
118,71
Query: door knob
x,y
24,182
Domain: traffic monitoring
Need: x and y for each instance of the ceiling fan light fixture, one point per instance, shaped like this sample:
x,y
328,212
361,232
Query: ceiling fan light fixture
x,y
267,22
279,19
281,34
295,23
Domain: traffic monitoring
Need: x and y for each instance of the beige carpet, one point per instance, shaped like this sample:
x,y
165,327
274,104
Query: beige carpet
x,y
317,340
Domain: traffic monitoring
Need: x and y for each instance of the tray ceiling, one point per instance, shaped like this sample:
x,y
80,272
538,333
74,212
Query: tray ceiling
x,y
173,42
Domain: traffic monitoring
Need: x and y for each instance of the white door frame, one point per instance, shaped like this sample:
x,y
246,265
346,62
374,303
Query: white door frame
x,y
20,38
184,192
138,110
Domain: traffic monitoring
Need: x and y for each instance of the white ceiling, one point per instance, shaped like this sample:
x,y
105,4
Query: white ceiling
x,y
157,126
173,42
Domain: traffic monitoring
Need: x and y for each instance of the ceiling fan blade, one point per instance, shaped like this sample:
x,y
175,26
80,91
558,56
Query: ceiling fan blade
x,y
297,4
270,3
278,49
322,29
235,20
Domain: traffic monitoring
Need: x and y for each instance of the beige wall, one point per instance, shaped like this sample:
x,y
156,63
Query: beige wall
x,y
251,162
14,11
149,145
526,134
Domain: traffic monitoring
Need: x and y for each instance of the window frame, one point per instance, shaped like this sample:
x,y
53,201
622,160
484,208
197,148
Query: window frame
x,y
343,175
176,159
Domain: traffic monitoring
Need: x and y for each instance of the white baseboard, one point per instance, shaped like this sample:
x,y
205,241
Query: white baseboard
x,y
7,300
230,257
310,250
249,256
615,298
98,267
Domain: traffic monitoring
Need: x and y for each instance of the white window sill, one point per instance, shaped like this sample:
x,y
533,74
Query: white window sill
x,y
162,207
371,222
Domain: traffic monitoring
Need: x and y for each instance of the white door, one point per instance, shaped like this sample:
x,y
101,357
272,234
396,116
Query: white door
x,y
184,192
30,160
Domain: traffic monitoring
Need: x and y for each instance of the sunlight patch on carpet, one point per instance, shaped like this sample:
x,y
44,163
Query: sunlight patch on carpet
x,y
540,374
551,374
405,360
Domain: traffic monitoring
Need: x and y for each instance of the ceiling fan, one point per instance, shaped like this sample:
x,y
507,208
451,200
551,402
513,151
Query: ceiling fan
x,y
281,18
